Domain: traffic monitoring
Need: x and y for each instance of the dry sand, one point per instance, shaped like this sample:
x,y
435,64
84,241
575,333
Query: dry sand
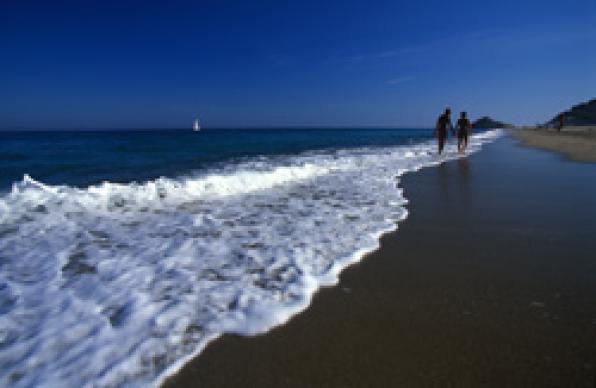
x,y
578,143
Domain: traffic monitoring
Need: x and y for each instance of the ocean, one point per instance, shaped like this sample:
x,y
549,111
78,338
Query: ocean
x,y
124,253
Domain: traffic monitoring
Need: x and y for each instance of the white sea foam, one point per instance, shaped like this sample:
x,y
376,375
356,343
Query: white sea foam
x,y
119,284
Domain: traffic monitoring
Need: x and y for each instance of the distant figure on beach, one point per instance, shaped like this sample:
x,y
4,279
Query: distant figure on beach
x,y
464,127
443,126
561,122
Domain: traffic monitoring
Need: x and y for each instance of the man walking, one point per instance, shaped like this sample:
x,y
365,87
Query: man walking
x,y
443,126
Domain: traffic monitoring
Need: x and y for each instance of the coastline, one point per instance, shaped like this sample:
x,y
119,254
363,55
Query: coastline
x,y
577,143
489,302
264,251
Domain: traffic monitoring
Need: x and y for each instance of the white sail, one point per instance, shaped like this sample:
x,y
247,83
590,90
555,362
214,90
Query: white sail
x,y
196,126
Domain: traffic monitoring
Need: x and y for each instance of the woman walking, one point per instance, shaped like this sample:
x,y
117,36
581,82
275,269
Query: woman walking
x,y
464,127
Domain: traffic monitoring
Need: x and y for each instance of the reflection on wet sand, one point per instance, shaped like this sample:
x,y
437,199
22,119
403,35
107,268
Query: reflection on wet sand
x,y
460,172
463,167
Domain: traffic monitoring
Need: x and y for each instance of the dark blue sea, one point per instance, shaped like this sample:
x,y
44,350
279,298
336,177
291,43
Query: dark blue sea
x,y
88,157
124,253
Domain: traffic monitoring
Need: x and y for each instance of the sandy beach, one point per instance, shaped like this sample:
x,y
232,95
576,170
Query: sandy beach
x,y
577,143
489,282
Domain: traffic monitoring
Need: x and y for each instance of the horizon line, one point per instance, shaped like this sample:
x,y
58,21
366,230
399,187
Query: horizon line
x,y
75,129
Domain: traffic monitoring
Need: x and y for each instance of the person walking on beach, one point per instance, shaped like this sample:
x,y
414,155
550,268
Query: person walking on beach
x,y
561,122
464,127
443,126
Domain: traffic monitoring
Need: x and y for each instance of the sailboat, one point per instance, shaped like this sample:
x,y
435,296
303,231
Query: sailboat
x,y
196,126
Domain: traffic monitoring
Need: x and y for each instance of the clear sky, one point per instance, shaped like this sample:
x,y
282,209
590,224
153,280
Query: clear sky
x,y
291,63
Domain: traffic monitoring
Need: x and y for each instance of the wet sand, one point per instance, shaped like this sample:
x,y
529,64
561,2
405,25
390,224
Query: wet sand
x,y
491,281
577,143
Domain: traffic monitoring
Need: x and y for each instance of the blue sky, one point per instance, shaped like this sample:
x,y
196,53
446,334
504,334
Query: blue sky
x,y
300,63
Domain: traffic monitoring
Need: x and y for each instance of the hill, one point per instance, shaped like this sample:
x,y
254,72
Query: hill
x,y
488,123
580,114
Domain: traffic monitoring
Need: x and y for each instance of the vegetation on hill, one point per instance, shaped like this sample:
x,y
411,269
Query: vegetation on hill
x,y
580,114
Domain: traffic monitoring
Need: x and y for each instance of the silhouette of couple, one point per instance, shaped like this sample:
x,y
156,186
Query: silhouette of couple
x,y
462,130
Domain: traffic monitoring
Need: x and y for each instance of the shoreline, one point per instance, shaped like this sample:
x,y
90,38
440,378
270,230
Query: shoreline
x,y
332,277
405,315
576,143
